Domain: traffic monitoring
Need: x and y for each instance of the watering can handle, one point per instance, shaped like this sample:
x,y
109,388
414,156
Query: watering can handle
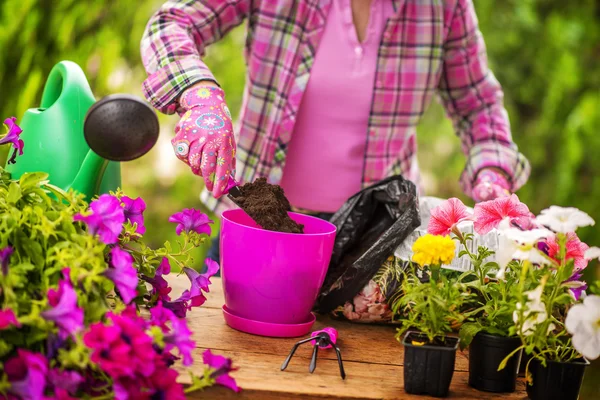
x,y
66,84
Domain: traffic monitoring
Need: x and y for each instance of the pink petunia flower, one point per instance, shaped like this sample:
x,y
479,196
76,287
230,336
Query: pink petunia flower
x,y
13,136
26,373
489,214
190,219
221,367
8,318
106,218
123,274
445,217
5,254
65,312
575,250
134,212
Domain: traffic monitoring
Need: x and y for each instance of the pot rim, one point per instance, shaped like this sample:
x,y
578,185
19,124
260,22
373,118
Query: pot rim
x,y
407,343
497,338
579,361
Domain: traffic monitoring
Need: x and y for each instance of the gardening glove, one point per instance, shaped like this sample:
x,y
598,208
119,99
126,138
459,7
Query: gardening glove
x,y
489,185
204,137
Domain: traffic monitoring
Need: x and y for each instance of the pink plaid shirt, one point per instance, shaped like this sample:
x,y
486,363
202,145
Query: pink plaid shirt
x,y
428,47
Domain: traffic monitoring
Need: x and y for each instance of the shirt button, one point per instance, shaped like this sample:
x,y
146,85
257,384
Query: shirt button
x,y
358,51
379,83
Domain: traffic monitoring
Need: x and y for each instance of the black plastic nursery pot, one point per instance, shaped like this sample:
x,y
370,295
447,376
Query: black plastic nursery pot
x,y
557,380
486,352
428,368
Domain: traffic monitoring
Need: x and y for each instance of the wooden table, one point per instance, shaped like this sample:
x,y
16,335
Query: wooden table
x,y
372,360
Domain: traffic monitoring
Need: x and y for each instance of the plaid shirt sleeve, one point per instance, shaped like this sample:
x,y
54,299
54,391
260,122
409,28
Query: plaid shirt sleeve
x,y
473,99
174,42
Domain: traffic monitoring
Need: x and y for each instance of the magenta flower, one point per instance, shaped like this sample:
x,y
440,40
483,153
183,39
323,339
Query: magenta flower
x,y
109,350
221,367
27,374
8,318
5,254
575,250
489,214
106,218
68,381
123,274
164,385
64,312
122,349
190,220
446,216
180,334
160,286
13,136
134,212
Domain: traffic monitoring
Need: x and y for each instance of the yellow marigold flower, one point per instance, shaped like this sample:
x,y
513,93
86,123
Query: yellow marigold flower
x,y
433,250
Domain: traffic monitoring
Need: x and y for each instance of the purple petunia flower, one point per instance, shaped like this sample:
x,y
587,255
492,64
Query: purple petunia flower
x,y
5,254
106,218
66,380
13,136
180,334
27,374
221,367
159,285
64,312
8,318
576,285
134,212
190,219
123,274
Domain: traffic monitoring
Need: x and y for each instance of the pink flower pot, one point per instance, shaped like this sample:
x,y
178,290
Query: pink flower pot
x,y
273,277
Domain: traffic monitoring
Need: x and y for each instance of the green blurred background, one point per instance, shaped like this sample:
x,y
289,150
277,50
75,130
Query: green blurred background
x,y
546,54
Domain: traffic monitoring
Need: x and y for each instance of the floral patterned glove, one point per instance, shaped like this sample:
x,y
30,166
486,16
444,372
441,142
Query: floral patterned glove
x,y
204,137
490,185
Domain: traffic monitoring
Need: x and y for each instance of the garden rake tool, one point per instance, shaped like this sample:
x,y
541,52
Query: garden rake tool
x,y
324,339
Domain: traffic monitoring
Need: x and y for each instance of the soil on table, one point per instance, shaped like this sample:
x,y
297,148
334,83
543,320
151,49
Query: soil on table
x,y
267,205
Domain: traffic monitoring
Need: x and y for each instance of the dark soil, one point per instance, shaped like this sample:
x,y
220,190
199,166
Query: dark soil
x,y
267,205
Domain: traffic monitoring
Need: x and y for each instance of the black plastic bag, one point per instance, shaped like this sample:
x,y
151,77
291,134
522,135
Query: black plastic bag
x,y
370,226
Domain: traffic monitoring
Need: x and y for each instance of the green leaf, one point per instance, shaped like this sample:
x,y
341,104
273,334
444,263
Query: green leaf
x,y
467,332
32,179
14,193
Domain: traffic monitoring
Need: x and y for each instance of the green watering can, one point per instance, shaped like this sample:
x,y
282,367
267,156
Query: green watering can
x,y
72,137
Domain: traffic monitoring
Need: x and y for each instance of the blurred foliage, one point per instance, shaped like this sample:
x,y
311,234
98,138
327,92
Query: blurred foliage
x,y
546,54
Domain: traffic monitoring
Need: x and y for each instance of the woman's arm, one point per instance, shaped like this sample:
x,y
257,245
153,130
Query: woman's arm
x,y
174,42
473,99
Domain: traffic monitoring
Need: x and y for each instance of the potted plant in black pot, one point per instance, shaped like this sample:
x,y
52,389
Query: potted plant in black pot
x,y
558,327
428,311
486,330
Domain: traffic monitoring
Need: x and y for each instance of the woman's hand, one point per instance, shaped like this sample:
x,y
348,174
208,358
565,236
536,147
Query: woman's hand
x,y
204,136
489,185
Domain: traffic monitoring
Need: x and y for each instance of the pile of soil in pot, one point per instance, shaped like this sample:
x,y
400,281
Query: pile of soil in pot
x,y
267,205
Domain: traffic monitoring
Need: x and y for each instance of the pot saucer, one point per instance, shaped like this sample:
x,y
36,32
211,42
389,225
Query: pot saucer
x,y
268,329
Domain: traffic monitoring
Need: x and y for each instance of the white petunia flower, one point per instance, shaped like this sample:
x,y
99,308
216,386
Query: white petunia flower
x,y
534,312
564,219
592,252
583,322
515,244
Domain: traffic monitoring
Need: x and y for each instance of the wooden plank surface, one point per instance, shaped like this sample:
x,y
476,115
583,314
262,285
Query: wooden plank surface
x,y
372,359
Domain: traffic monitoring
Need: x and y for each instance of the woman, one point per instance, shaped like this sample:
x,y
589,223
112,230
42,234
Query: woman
x,y
334,92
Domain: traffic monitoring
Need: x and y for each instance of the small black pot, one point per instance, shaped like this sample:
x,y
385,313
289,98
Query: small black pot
x,y
557,380
486,352
428,369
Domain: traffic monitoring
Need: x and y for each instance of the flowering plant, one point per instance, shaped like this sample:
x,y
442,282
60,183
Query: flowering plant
x,y
531,285
431,303
74,278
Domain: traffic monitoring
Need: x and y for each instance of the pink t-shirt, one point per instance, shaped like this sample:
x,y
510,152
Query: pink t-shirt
x,y
325,157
